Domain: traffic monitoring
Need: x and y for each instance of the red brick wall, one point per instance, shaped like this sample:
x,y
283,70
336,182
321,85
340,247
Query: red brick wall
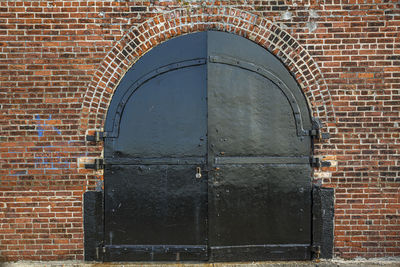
x,y
61,60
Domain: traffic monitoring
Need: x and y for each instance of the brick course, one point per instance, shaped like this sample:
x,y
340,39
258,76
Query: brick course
x,y
60,62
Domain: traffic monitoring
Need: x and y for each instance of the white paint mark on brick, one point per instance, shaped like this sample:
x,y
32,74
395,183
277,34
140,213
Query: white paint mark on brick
x,y
313,13
312,26
322,174
287,15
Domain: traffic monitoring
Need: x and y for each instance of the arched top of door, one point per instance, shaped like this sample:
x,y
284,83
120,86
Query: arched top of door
x,y
208,48
141,39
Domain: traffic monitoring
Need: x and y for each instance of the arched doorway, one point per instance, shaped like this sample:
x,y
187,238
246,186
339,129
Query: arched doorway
x,y
207,156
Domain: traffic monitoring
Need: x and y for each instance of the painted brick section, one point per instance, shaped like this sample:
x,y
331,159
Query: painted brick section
x,y
61,60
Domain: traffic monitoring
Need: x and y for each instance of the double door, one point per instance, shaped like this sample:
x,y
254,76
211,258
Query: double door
x,y
207,156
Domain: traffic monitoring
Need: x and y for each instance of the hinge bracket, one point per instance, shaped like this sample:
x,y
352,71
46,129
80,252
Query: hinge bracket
x,y
316,250
318,163
97,137
316,131
97,165
319,135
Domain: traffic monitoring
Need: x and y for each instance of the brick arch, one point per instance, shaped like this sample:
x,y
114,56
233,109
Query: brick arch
x,y
140,39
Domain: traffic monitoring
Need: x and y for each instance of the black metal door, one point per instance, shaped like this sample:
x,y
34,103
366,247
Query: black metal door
x,y
155,206
260,189
206,152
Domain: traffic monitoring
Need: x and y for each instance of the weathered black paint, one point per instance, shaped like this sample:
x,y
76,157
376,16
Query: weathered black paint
x,y
255,113
155,207
270,76
93,224
183,48
218,105
156,252
323,217
160,205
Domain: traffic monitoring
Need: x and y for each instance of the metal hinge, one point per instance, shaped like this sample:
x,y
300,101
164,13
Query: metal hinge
x,y
318,163
316,250
97,165
97,137
316,132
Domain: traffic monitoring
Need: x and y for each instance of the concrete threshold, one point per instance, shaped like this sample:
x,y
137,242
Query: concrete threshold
x,y
387,262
